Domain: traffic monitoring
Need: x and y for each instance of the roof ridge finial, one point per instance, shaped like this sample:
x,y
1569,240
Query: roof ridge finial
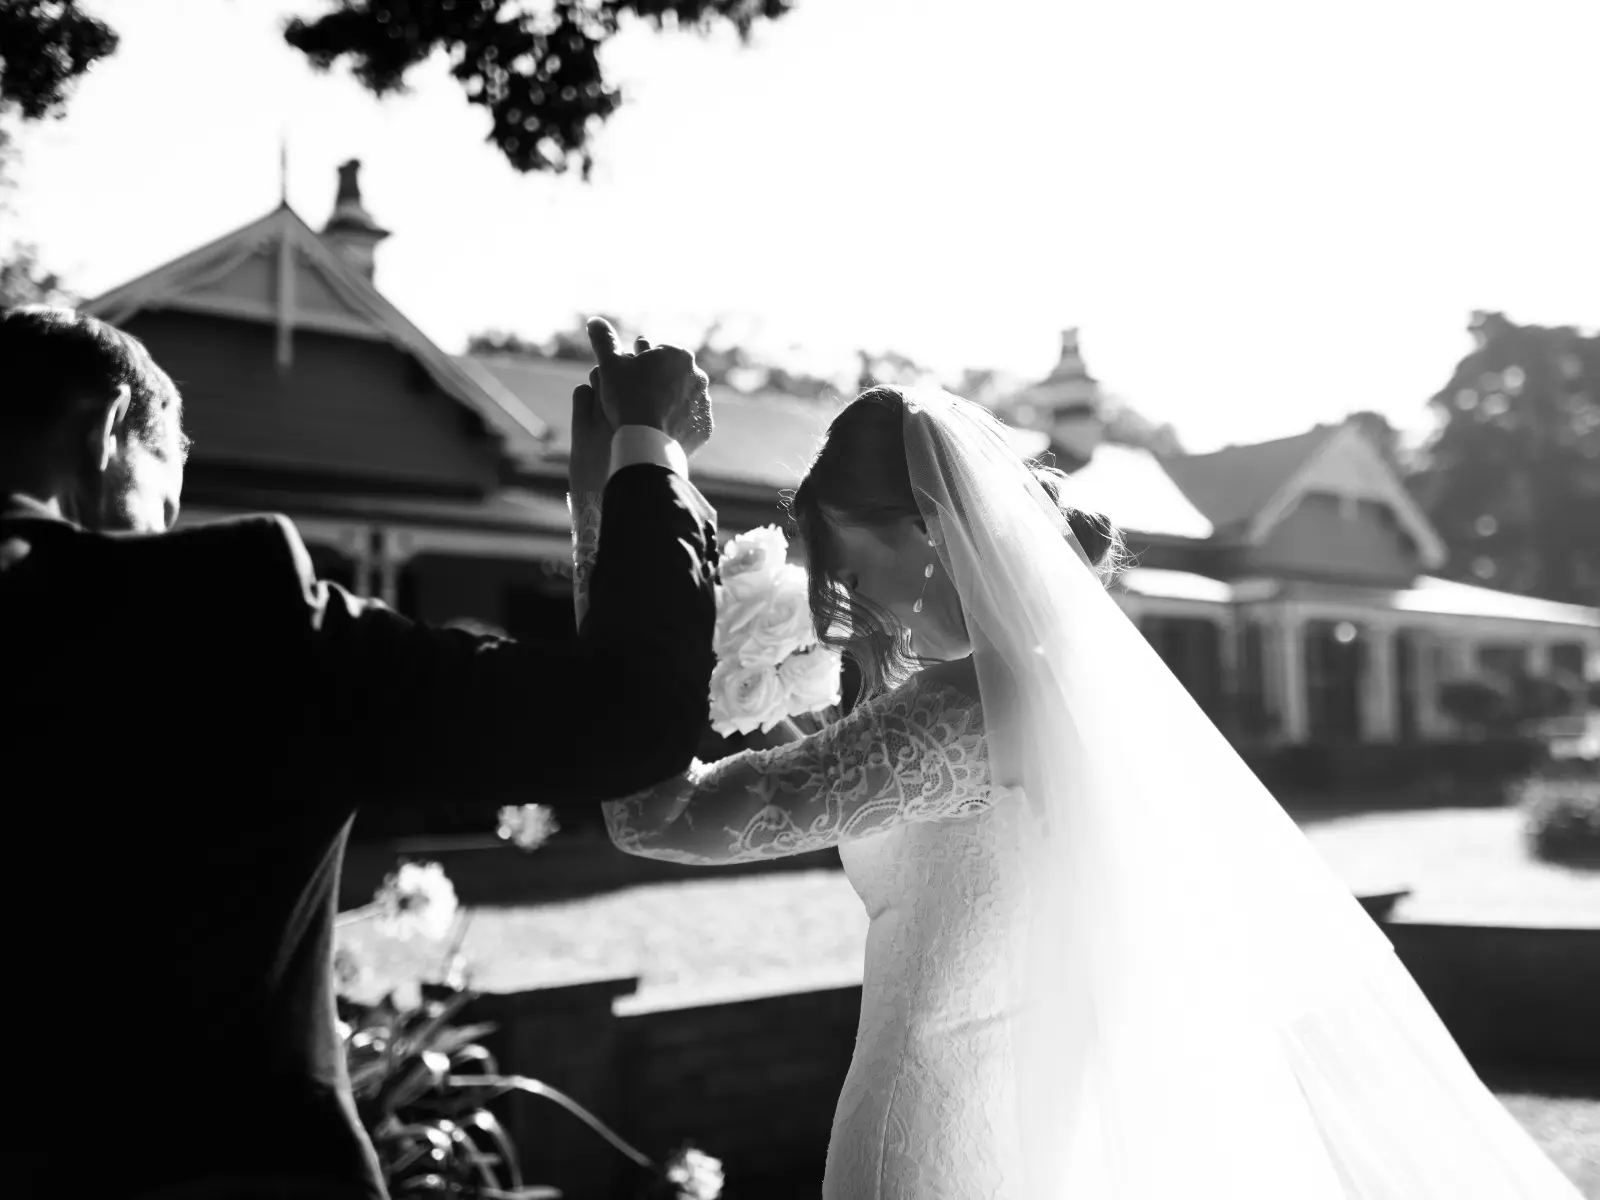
x,y
283,168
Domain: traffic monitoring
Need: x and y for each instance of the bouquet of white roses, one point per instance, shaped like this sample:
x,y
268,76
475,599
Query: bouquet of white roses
x,y
770,666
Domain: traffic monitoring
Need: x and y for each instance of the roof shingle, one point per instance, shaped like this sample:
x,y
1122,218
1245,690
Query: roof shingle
x,y
1232,485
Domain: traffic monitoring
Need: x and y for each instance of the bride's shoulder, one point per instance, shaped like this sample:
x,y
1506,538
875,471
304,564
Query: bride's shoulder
x,y
958,675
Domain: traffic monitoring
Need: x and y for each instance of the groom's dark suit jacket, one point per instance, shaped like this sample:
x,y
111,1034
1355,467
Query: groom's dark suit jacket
x,y
190,721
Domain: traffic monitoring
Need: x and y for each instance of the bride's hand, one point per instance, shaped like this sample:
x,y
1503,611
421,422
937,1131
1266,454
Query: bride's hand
x,y
590,460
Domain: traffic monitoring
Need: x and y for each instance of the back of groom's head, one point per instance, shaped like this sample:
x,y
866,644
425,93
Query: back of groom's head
x,y
51,358
71,384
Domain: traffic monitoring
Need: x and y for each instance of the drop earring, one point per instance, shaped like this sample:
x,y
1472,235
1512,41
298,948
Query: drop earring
x,y
927,574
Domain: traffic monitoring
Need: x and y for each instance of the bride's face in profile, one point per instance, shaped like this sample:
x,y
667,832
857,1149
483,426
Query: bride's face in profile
x,y
888,567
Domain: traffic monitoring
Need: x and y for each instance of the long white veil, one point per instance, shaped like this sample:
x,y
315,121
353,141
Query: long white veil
x,y
1203,1010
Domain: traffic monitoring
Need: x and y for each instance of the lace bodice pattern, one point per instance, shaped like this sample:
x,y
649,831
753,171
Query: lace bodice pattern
x,y
901,785
916,754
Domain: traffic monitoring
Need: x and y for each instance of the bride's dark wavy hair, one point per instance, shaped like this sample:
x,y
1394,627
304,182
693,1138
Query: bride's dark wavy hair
x,y
860,478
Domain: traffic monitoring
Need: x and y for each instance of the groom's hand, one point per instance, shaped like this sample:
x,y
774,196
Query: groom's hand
x,y
590,461
658,386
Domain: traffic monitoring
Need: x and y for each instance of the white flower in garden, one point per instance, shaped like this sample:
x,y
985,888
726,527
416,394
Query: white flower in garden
x,y
350,974
407,995
529,826
750,562
812,680
783,625
418,898
695,1175
746,698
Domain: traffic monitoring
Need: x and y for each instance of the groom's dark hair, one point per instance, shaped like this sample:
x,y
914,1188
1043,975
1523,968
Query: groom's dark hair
x,y
52,358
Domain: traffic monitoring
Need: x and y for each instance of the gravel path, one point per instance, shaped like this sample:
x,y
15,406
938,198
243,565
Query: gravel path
x,y
705,940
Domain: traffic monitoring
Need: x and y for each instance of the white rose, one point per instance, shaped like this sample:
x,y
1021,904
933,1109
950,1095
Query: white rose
x,y
406,995
735,612
746,698
811,679
350,974
783,625
750,562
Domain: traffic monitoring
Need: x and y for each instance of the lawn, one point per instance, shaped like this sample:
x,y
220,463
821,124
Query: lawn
x,y
795,929
1462,865
710,940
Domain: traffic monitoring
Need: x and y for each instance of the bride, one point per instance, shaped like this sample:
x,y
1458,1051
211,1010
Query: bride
x,y
1102,963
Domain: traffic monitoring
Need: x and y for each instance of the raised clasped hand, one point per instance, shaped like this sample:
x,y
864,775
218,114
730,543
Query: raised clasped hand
x,y
659,386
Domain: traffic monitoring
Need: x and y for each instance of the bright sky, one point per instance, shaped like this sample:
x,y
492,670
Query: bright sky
x,y
1261,214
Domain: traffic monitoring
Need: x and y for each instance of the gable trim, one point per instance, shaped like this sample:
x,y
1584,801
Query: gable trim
x,y
1409,513
170,287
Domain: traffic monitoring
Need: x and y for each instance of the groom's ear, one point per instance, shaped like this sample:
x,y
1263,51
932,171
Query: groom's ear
x,y
106,425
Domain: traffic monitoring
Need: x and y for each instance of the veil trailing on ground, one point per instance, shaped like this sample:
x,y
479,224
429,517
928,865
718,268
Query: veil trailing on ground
x,y
1202,1008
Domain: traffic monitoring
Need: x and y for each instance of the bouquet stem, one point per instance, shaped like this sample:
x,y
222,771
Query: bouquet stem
x,y
351,916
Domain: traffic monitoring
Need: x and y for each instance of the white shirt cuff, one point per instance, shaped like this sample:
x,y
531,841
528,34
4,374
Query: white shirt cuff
x,y
634,444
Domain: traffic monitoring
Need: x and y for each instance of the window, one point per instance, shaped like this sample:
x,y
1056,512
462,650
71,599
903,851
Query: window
x,y
1504,661
1567,658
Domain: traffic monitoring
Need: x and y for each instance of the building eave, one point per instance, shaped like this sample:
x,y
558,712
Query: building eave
x,y
172,285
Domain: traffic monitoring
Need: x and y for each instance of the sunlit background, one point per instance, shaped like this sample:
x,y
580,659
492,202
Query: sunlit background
x,y
1261,215
1246,220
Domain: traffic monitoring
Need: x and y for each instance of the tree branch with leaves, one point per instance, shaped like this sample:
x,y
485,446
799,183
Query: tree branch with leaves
x,y
535,68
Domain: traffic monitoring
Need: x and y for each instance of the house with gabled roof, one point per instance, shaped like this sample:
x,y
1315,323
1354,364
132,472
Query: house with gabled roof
x,y
1290,584
434,482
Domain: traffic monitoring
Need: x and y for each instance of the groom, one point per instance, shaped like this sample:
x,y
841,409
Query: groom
x,y
190,720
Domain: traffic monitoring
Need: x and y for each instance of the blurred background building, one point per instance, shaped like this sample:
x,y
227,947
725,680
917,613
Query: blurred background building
x,y
1292,585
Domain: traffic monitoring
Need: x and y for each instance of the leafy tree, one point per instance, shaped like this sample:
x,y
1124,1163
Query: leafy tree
x,y
1384,437
888,367
1512,477
535,67
725,365
800,384
46,46
534,64
24,281
565,345
1125,426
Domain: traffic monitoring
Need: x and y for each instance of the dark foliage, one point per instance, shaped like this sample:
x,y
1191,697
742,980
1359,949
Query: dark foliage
x,y
1512,479
535,68
1562,811
46,46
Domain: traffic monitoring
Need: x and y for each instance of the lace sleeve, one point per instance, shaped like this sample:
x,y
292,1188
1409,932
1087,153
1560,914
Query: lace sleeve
x,y
917,754
585,510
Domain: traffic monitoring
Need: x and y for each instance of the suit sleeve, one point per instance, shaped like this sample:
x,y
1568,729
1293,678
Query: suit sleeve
x,y
438,716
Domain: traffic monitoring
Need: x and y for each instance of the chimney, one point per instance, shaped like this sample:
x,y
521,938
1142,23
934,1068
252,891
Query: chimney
x,y
351,232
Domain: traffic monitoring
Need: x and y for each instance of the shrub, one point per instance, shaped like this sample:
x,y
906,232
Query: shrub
x,y
1483,705
1562,813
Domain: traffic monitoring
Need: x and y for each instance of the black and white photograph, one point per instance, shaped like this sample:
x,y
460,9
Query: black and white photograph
x,y
801,599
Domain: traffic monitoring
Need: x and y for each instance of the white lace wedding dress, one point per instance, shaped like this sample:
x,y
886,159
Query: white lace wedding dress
x,y
901,786
1134,980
